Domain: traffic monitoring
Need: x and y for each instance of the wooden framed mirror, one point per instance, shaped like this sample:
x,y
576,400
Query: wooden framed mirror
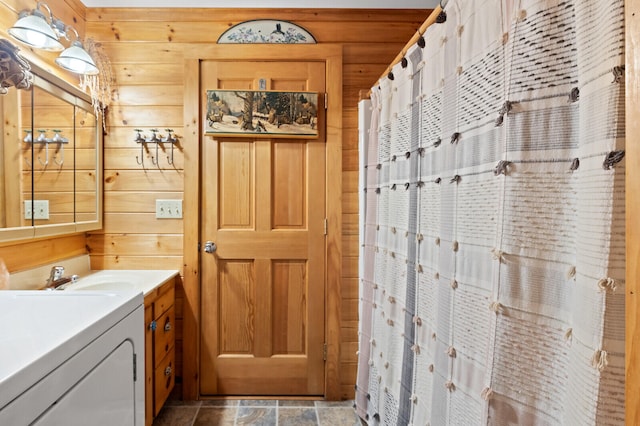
x,y
51,163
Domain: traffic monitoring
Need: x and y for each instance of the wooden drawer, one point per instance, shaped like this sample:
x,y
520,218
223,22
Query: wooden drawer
x,y
164,301
165,335
164,380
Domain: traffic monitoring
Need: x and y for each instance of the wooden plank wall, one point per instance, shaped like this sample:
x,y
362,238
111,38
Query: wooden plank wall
x,y
145,48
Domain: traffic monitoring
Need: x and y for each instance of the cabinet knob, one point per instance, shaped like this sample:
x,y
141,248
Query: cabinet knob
x,y
167,325
153,325
167,371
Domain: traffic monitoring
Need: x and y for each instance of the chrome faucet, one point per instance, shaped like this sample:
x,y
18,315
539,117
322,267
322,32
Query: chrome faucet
x,y
56,279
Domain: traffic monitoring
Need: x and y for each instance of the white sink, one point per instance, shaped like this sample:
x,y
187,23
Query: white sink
x,y
109,285
113,280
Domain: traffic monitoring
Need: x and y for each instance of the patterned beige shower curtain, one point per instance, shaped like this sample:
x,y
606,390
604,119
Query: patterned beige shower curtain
x,y
493,250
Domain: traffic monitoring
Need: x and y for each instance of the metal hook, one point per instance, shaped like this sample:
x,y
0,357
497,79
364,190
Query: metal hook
x,y
46,152
154,139
61,149
141,159
170,158
155,160
172,140
140,139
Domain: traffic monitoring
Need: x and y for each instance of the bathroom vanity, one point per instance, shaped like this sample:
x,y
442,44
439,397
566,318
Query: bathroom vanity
x,y
71,358
103,348
158,289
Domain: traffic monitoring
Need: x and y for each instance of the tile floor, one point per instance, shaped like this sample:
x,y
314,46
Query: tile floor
x,y
257,413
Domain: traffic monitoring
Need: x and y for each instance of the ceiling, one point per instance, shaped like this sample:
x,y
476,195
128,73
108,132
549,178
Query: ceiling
x,y
275,4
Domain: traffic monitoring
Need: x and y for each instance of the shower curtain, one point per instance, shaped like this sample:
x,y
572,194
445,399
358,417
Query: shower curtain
x,y
492,219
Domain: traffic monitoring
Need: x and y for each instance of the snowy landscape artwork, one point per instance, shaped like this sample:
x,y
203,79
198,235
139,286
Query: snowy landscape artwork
x,y
284,114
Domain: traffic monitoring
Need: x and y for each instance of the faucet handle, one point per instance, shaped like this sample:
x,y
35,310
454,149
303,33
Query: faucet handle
x,y
56,273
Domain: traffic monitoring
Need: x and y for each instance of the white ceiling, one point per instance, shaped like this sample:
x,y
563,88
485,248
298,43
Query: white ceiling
x,y
275,4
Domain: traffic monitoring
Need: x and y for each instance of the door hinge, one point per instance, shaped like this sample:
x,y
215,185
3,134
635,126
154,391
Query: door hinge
x,y
135,367
324,351
326,226
326,100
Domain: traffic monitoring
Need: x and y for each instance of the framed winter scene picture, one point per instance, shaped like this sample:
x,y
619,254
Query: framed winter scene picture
x,y
273,113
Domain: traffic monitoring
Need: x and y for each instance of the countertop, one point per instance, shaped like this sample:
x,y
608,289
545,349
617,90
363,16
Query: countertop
x,y
144,281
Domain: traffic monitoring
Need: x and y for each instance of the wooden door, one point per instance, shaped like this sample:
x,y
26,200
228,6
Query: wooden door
x,y
263,205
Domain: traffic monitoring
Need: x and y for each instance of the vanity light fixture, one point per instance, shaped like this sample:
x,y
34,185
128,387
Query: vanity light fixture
x,y
33,29
76,59
36,30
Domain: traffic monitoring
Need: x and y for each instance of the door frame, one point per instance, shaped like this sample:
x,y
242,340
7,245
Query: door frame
x,y
331,55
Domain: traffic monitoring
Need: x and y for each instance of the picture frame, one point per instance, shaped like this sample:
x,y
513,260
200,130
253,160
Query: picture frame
x,y
254,112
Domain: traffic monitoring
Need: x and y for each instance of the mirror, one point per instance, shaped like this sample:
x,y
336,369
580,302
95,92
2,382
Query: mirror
x,y
51,164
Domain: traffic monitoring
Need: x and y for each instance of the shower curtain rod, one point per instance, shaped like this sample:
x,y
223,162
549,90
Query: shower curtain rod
x,y
426,24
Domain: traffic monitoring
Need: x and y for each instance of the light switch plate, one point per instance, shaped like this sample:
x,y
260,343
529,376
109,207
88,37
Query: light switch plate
x,y
168,209
40,207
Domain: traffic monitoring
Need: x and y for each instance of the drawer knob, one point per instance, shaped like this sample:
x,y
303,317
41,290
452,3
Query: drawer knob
x,y
167,371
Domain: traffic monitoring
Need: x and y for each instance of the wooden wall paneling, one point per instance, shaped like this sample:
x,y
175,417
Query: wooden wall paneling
x,y
209,32
632,332
139,75
232,16
12,188
370,53
350,223
141,180
141,54
152,94
350,245
41,252
135,201
146,117
350,159
122,245
136,262
140,223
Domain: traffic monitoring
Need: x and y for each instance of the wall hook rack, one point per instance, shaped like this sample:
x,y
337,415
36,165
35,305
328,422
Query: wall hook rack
x,y
42,139
156,139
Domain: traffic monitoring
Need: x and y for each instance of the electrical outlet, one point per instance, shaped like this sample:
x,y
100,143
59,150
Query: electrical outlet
x,y
168,209
40,207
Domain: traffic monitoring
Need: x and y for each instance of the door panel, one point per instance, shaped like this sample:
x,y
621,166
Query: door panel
x,y
263,289
289,183
236,186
